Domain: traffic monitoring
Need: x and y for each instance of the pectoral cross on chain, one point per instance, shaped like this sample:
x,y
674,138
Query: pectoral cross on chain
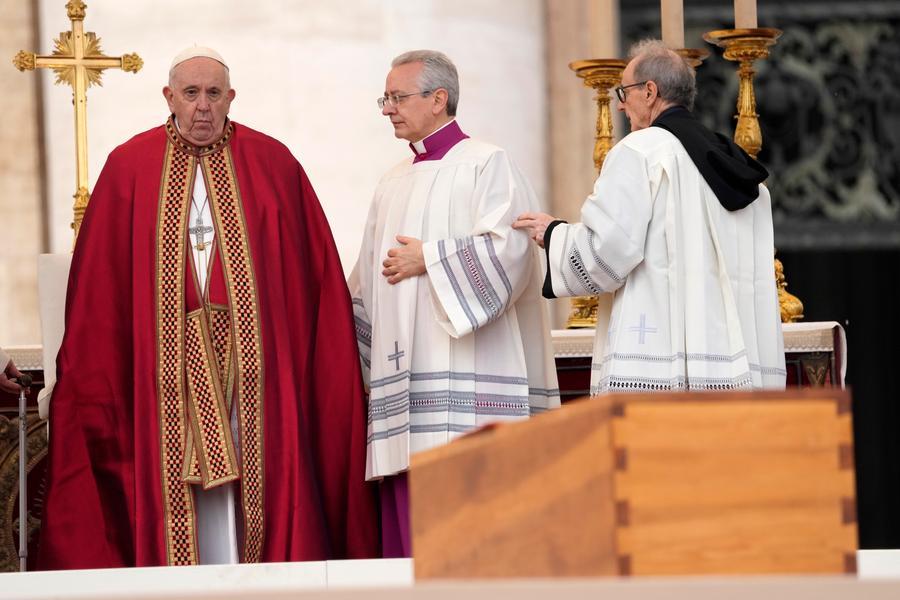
x,y
199,231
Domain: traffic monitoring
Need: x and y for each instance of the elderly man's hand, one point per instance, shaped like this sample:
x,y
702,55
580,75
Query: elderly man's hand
x,y
9,372
534,224
405,261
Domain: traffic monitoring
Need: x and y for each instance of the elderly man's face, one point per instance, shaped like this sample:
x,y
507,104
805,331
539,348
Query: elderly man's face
x,y
200,96
637,106
417,115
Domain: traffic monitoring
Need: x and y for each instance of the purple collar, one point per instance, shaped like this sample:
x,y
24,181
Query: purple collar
x,y
439,143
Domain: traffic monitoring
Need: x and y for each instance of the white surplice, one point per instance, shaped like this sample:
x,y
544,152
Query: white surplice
x,y
468,343
695,304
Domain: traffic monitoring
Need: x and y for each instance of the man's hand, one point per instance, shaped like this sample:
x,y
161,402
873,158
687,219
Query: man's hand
x,y
534,224
405,261
9,372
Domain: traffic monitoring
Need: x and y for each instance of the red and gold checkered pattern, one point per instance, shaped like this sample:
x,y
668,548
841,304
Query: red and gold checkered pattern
x,y
178,503
208,415
220,351
219,319
220,332
231,231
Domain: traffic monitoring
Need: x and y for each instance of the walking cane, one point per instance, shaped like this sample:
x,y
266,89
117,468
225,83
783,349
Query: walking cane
x,y
24,381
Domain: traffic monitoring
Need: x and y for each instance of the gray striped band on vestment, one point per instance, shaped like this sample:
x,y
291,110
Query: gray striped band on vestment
x,y
712,358
442,253
468,397
600,262
363,331
478,279
467,376
441,428
378,402
495,260
401,408
633,356
476,283
576,265
388,380
520,411
383,435
543,392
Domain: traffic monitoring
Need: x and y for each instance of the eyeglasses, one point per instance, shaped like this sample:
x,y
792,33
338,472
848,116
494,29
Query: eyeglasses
x,y
620,90
394,99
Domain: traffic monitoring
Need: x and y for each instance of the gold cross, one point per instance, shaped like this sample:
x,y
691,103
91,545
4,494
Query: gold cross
x,y
78,61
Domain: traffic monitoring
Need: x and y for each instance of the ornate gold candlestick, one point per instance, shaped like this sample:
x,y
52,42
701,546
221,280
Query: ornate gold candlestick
x,y
600,74
745,46
791,307
694,56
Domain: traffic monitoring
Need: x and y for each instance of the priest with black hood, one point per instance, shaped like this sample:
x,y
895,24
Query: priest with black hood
x,y
679,230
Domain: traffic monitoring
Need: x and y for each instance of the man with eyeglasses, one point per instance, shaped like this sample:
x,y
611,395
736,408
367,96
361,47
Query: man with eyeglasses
x,y
453,333
679,230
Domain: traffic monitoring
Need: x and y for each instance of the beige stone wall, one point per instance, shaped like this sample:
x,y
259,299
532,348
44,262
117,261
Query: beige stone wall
x,y
576,29
20,181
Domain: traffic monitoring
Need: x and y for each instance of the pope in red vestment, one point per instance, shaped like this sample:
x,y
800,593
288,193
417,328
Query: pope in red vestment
x,y
166,387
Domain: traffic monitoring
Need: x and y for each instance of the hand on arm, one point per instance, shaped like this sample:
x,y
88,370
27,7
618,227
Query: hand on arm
x,y
534,224
405,261
10,372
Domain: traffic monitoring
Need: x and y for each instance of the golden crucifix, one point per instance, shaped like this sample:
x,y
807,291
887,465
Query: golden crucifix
x,y
78,61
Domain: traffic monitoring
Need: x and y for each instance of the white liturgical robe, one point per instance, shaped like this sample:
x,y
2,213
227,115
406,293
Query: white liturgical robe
x,y
695,304
467,343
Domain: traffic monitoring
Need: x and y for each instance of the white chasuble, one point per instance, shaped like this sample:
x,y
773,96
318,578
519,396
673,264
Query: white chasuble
x,y
695,305
467,343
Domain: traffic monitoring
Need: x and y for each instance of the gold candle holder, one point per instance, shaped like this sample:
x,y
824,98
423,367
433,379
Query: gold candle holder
x,y
600,74
790,305
745,46
694,56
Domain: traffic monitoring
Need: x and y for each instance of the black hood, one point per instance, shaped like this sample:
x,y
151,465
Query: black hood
x,y
733,175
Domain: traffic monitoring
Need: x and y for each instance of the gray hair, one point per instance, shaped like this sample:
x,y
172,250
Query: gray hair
x,y
438,71
674,77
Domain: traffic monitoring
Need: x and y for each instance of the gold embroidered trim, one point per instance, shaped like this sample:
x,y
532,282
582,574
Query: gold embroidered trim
x,y
231,232
220,332
188,148
178,501
208,415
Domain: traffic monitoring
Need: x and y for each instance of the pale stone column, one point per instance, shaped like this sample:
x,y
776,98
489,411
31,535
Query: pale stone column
x,y
21,229
576,29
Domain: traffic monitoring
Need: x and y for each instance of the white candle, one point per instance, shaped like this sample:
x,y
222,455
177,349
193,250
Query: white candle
x,y
603,16
745,14
672,17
